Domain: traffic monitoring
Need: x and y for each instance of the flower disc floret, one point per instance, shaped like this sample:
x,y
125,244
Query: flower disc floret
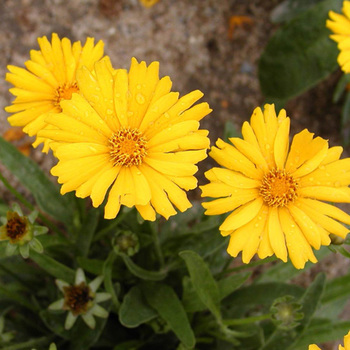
x,y
278,188
128,147
277,193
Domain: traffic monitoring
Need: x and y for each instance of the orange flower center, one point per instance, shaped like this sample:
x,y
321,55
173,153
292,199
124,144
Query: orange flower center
x,y
128,147
77,298
65,92
16,228
278,188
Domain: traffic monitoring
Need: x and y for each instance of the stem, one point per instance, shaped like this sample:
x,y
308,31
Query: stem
x,y
16,277
247,320
157,246
110,227
252,264
47,222
30,343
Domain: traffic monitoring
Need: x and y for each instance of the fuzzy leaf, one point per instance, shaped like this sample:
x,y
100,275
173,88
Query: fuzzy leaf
x,y
46,194
299,55
203,281
134,309
162,298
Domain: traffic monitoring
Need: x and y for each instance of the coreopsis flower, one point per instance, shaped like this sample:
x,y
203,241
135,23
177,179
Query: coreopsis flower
x,y
129,134
345,347
81,299
48,79
340,26
276,195
20,231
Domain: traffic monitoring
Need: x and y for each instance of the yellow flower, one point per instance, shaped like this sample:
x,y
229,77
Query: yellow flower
x,y
49,78
148,3
340,26
275,194
129,133
345,347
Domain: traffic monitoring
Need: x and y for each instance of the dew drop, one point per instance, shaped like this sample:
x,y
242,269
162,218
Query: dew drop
x,y
140,99
138,86
267,146
130,114
167,115
311,179
117,95
109,112
337,184
256,225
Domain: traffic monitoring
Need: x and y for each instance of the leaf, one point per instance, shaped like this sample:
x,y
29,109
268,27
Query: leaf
x,y
299,55
53,267
193,303
340,87
87,231
94,266
203,281
46,194
140,272
289,9
134,309
323,332
229,284
129,345
162,298
230,130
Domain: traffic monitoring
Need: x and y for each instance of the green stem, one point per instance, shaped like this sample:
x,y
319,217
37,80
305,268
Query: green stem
x,y
247,266
16,277
47,222
247,320
157,246
113,225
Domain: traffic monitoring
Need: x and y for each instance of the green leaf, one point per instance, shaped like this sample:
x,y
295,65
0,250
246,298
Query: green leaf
x,y
299,55
46,194
340,87
87,231
229,284
30,344
203,281
94,266
289,9
162,298
140,272
53,267
322,332
129,345
134,309
230,130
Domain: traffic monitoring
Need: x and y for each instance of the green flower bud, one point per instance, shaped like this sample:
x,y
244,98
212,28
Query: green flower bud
x,y
126,242
285,312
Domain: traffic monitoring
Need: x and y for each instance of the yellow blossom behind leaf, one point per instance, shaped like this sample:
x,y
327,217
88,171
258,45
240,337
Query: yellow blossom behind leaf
x,y
48,79
340,26
276,193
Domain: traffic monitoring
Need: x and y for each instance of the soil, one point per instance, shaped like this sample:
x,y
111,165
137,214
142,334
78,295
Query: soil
x,y
195,46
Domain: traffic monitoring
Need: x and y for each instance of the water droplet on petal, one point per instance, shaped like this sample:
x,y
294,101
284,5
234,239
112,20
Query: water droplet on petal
x,y
138,86
140,99
109,112
267,146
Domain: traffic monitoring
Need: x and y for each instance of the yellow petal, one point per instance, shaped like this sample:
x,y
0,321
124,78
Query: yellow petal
x,y
229,157
99,189
242,215
147,212
281,143
307,226
324,193
299,249
326,222
276,235
231,178
80,150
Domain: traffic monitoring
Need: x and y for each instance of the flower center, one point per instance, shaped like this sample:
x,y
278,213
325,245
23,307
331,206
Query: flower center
x,y
65,92
77,298
128,147
16,228
278,188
